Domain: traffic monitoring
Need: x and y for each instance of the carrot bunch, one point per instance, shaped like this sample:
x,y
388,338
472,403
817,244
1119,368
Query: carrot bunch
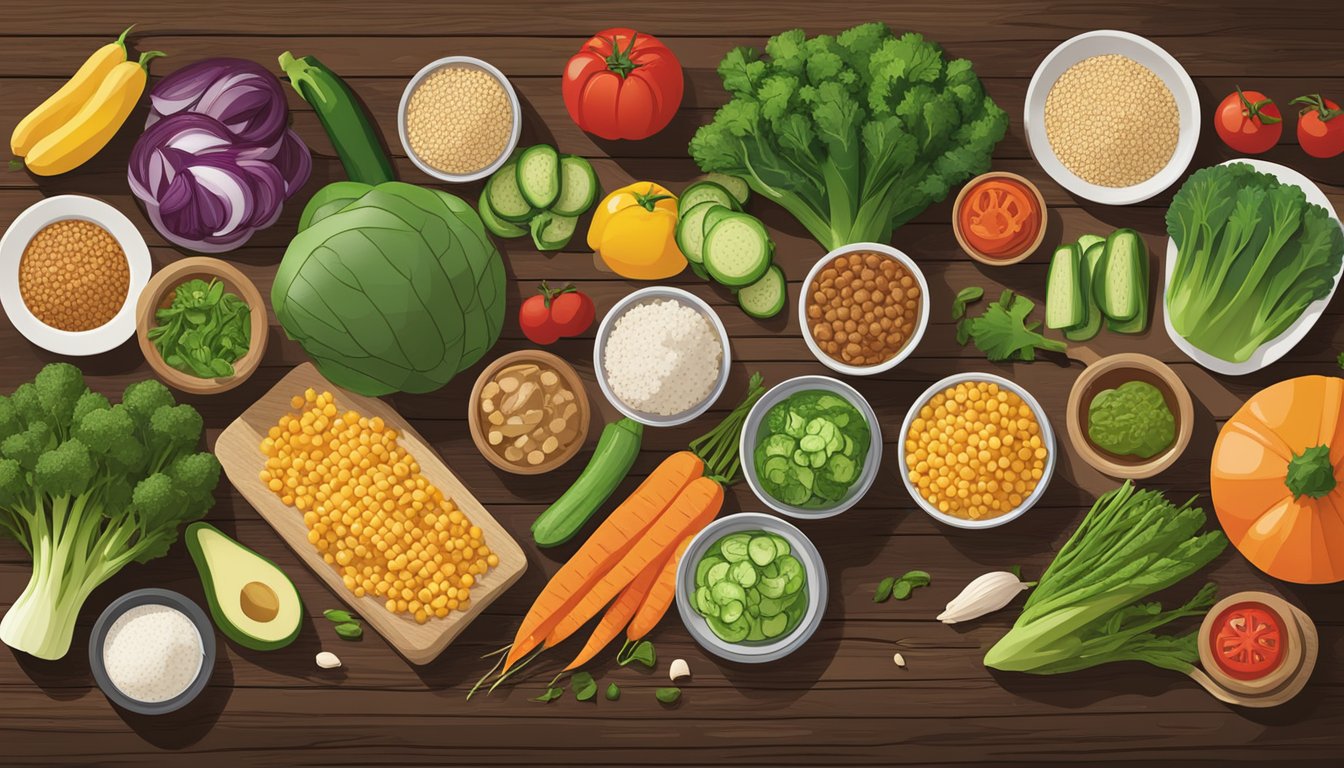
x,y
629,564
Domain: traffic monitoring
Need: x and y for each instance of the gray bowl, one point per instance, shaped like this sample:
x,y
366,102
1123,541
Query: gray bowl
x,y
803,549
781,391
151,597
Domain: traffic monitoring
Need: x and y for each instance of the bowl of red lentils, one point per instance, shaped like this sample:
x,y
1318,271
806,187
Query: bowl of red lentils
x,y
459,119
71,269
864,308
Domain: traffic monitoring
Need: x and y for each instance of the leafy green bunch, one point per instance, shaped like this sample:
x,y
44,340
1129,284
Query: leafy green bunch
x,y
204,331
87,488
854,134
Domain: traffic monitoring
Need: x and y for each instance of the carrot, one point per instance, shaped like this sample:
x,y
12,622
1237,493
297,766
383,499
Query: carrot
x,y
698,504
609,544
617,615
659,597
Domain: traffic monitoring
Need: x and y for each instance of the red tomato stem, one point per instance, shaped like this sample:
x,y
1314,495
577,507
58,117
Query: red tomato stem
x,y
1253,109
548,294
620,61
1316,104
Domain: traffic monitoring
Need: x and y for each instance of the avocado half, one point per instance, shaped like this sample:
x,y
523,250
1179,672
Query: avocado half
x,y
252,601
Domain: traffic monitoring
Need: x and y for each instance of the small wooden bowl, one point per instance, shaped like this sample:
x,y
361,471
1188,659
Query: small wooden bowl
x,y
571,379
1287,680
1112,371
158,294
978,255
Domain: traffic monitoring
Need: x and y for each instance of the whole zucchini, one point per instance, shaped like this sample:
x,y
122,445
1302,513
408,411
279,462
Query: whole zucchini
x,y
353,135
611,461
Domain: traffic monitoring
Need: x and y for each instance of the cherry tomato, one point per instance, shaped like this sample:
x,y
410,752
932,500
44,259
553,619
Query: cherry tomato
x,y
1320,127
555,313
535,319
572,312
1248,640
1248,122
622,85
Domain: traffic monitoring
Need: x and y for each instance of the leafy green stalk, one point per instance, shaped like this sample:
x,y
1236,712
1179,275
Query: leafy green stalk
x,y
718,448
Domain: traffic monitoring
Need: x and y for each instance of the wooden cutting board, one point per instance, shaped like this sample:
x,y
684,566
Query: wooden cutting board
x,y
238,449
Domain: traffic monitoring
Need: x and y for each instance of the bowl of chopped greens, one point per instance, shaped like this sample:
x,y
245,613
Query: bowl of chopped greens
x,y
811,447
202,325
751,588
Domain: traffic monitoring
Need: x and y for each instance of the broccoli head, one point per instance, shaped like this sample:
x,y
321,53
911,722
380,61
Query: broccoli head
x,y
59,387
143,398
68,470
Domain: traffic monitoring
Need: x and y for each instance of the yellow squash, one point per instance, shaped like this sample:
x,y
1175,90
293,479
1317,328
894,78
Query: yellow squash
x,y
63,104
634,231
72,144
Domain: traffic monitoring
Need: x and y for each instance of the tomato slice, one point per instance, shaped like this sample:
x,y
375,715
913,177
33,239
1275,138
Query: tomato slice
x,y
1249,640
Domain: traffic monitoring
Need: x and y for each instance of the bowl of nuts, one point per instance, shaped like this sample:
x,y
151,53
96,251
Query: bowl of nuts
x,y
528,412
864,307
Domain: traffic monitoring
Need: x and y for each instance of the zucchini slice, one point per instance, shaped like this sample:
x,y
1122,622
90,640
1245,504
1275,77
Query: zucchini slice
x,y
1066,302
539,175
551,231
735,185
737,250
579,187
504,197
1091,260
1120,280
495,224
1139,322
691,230
767,296
714,216
701,191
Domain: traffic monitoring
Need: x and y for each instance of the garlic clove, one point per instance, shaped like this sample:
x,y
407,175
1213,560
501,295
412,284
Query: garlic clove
x,y
985,594
900,660
679,670
327,660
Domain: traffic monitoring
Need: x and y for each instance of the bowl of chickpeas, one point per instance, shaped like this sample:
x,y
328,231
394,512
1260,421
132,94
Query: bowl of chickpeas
x,y
976,451
864,308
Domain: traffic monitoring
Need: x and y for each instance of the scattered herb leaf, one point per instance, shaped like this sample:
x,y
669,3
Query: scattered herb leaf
x,y
350,630
642,652
883,592
902,590
339,616
1016,570
917,578
204,331
668,695
550,695
613,692
584,686
1003,333
967,295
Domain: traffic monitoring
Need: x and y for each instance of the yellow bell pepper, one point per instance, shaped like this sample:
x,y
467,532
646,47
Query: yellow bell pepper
x,y
65,103
634,231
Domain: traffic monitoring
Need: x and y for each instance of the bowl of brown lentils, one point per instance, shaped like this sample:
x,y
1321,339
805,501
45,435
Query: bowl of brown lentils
x,y
459,119
71,269
864,307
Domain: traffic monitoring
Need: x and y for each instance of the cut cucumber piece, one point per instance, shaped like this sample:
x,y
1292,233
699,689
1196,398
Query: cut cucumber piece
x,y
716,214
579,187
1091,258
1065,290
1139,322
1087,241
765,297
737,250
495,224
701,191
539,175
551,231
504,197
736,186
761,550
691,230
729,632
702,569
1121,275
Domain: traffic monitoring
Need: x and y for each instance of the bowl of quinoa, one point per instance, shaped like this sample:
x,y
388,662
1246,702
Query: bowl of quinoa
x,y
661,356
459,119
1112,117
72,269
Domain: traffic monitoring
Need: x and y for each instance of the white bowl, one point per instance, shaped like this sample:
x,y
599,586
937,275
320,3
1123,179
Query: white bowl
x,y
910,343
72,343
1047,437
460,61
781,391
1277,347
600,347
803,550
1099,43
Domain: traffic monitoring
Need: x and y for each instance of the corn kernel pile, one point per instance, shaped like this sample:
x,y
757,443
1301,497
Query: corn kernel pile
x,y
370,512
975,451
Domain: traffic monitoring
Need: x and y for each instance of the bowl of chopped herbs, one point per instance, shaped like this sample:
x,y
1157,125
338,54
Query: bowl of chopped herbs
x,y
201,325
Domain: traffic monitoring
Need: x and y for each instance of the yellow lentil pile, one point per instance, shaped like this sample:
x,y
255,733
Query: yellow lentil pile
x,y
73,275
974,451
459,119
1111,121
369,511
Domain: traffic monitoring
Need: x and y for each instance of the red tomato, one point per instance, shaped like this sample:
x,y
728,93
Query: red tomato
x,y
535,319
1248,640
1320,129
1248,122
555,314
572,312
623,85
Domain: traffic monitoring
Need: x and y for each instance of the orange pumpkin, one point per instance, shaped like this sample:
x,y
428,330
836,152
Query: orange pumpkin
x,y
1275,479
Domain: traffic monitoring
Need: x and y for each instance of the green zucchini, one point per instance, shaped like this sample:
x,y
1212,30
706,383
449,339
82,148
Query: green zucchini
x,y
551,231
611,461
736,186
538,173
579,187
1066,289
348,126
1139,322
691,230
737,250
495,224
1117,284
1091,258
767,296
701,191
505,198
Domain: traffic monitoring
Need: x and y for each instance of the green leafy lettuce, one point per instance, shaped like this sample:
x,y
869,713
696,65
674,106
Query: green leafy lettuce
x,y
854,134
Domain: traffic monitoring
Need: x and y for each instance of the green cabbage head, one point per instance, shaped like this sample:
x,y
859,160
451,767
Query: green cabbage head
x,y
390,288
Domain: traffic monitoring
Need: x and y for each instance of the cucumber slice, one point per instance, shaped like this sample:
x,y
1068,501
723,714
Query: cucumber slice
x,y
1087,241
704,604
729,632
1065,292
761,550
504,197
702,569
737,250
765,297
495,224
701,191
782,547
579,187
775,625
551,231
1121,275
1139,322
539,175
729,591
715,215
734,548
691,230
1091,258
731,611
744,574
736,186
717,573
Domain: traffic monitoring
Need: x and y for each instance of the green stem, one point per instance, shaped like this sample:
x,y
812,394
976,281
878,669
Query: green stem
x,y
1311,474
718,447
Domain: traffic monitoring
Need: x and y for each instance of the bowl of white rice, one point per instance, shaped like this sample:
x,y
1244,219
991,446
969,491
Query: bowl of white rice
x,y
152,651
661,356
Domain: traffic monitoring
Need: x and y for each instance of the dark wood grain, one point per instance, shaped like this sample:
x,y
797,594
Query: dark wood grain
x,y
840,700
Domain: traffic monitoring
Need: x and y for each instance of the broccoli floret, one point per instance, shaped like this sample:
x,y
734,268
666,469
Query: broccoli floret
x,y
175,429
143,398
88,403
111,435
68,470
29,406
9,417
196,474
59,387
27,446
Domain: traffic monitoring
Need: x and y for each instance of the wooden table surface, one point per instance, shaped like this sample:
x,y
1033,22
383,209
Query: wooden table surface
x,y
840,700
